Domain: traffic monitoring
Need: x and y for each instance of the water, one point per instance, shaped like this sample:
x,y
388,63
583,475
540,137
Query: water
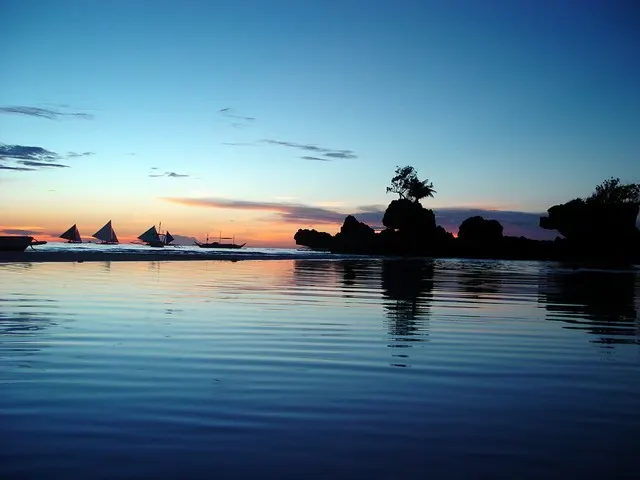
x,y
318,369
183,251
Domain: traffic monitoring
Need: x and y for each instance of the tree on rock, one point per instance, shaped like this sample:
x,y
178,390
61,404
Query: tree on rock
x,y
407,185
610,192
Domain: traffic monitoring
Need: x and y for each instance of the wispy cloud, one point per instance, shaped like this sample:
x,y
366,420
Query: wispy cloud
x,y
22,152
229,112
316,159
47,113
341,154
167,174
13,156
31,163
17,169
76,155
329,153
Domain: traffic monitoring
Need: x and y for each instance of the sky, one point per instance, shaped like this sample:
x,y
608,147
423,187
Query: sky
x,y
256,118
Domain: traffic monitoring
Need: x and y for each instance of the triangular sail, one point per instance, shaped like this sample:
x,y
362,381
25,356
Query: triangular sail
x,y
168,238
73,235
106,234
150,235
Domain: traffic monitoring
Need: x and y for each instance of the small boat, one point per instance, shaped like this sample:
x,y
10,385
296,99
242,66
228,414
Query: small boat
x,y
219,243
107,234
72,235
17,243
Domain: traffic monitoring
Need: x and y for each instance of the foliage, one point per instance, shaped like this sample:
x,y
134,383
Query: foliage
x,y
612,192
407,185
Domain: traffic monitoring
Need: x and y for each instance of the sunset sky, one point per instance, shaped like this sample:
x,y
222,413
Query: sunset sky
x,y
256,118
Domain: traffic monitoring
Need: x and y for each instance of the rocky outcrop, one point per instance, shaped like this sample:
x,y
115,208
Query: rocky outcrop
x,y
477,230
584,222
407,216
314,239
355,237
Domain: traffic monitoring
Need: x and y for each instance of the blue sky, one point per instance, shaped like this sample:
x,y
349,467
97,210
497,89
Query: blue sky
x,y
508,105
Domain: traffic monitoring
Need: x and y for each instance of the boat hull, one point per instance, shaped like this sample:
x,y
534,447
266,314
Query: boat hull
x,y
17,243
220,245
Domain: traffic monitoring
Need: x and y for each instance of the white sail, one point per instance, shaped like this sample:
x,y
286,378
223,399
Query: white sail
x,y
150,235
106,234
73,235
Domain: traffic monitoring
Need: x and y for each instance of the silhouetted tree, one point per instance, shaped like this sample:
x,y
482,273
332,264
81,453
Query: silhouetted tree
x,y
611,192
407,185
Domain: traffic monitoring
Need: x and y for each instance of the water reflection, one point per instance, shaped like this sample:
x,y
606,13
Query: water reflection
x,y
313,272
408,284
599,302
359,276
481,279
406,290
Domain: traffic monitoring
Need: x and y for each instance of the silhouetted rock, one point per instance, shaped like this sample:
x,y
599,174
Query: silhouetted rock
x,y
596,231
412,230
314,239
354,237
580,221
477,230
408,216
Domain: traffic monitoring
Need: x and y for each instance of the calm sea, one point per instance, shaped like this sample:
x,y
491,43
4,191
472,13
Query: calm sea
x,y
312,368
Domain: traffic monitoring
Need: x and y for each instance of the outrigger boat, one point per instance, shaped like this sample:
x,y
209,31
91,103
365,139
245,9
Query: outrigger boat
x,y
17,243
219,243
107,234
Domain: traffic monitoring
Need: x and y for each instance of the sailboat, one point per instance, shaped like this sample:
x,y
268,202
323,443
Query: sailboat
x,y
154,239
72,235
166,238
106,234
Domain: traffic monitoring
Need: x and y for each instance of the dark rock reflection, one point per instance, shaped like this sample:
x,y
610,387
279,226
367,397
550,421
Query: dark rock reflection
x,y
406,288
600,302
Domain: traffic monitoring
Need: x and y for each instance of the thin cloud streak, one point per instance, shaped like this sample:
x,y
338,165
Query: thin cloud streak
x,y
31,163
47,113
230,113
17,169
76,155
167,174
331,153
